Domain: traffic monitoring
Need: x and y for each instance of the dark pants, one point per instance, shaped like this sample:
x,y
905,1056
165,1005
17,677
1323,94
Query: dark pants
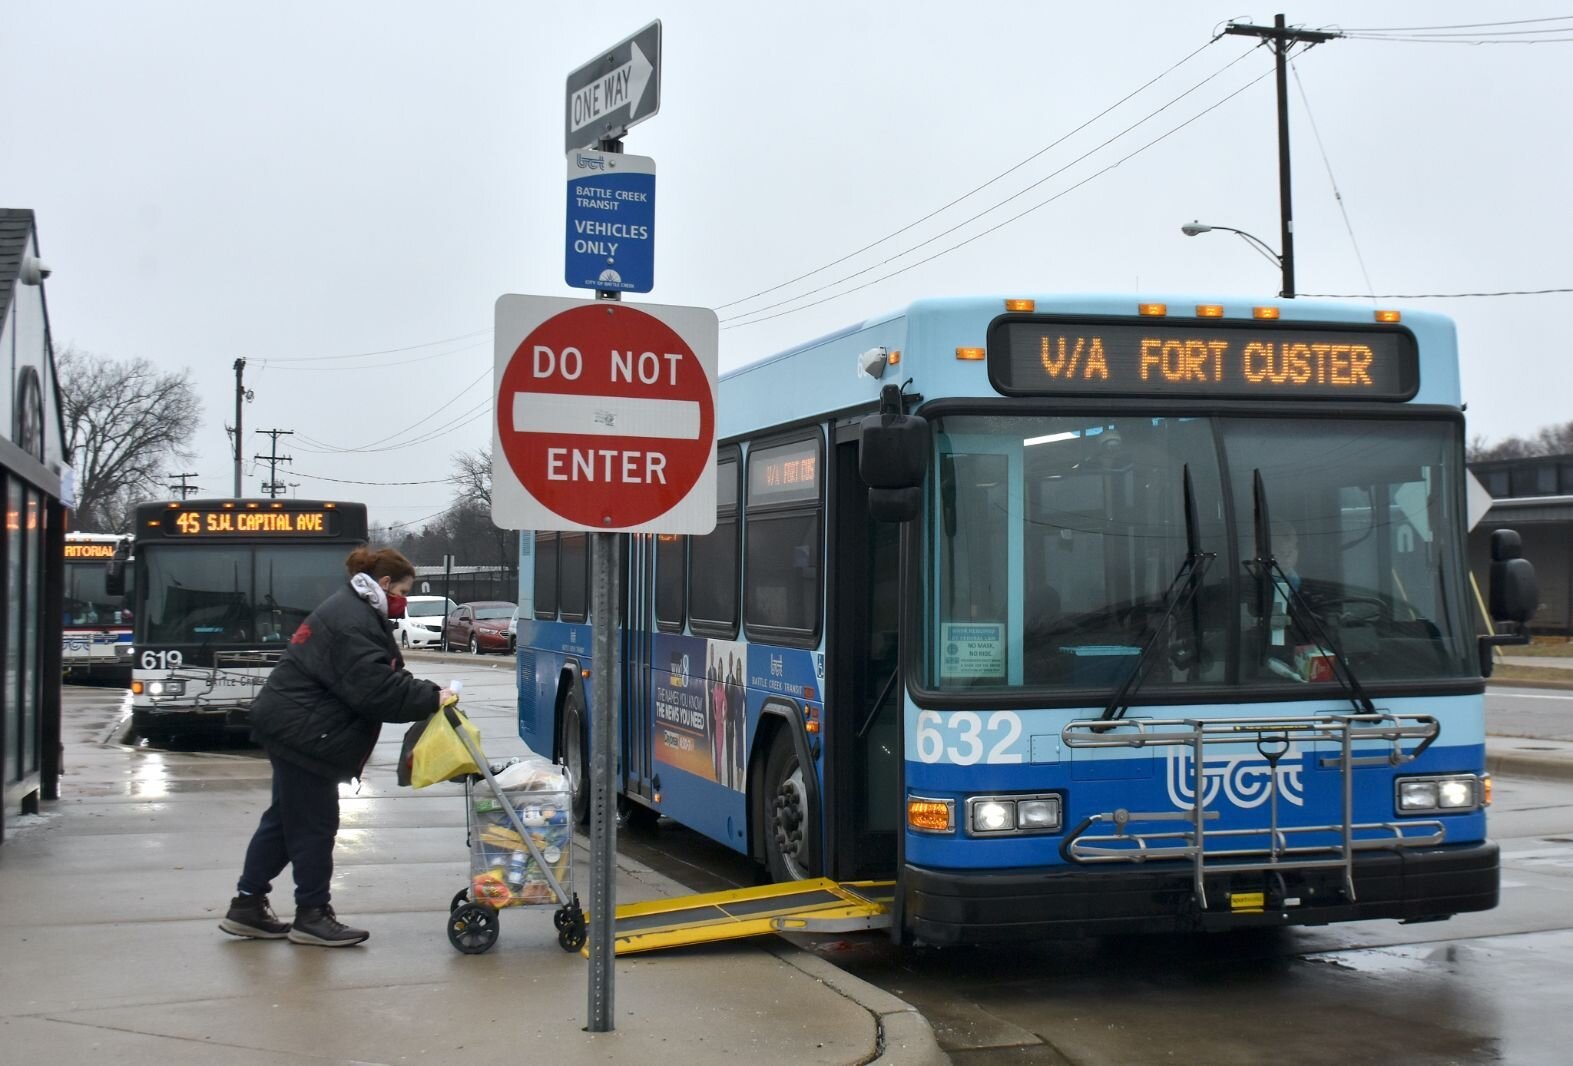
x,y
297,829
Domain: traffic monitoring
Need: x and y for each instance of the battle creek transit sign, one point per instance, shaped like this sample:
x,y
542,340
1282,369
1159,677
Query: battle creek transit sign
x,y
605,416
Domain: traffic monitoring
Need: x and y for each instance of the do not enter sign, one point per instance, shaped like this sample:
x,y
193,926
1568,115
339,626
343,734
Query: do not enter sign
x,y
605,416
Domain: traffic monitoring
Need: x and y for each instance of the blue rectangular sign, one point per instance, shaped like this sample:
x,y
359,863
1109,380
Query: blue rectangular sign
x,y
611,222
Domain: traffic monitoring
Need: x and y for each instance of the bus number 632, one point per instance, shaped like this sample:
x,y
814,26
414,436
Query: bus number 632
x,y
162,660
959,737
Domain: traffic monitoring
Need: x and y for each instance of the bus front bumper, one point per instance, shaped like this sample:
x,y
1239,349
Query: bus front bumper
x,y
981,906
179,717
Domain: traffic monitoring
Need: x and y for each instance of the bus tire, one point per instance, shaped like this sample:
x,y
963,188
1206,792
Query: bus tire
x,y
575,751
788,813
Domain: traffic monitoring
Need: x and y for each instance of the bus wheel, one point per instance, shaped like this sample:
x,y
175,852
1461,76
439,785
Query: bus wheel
x,y
789,815
574,757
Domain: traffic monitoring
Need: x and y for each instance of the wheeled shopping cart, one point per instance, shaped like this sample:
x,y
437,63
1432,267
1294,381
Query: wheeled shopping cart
x,y
521,854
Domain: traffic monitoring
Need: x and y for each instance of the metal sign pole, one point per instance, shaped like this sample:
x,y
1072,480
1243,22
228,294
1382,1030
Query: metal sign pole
x,y
603,763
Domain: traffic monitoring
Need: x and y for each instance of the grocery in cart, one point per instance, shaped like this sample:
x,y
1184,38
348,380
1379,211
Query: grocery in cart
x,y
519,818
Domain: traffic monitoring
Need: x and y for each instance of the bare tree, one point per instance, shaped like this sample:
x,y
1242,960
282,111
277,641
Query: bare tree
x,y
1550,440
125,421
472,477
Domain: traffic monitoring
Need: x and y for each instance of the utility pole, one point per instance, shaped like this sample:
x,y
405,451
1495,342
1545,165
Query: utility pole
x,y
182,488
274,487
1282,37
240,396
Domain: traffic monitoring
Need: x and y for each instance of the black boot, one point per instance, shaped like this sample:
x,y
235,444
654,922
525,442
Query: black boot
x,y
251,916
319,926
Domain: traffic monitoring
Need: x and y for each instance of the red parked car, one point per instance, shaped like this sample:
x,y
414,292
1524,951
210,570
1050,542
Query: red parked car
x,y
481,626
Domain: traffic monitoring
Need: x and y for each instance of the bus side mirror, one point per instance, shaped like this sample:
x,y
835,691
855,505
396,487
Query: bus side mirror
x,y
115,571
1515,595
893,459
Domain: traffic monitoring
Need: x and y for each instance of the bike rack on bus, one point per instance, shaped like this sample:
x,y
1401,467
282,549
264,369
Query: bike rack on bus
x,y
232,666
1272,738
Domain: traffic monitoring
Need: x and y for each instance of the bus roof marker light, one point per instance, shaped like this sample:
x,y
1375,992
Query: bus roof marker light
x,y
1024,306
1152,310
1389,316
1265,313
970,355
1209,310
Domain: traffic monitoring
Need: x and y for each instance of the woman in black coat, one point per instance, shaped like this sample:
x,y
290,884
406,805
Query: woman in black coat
x,y
318,717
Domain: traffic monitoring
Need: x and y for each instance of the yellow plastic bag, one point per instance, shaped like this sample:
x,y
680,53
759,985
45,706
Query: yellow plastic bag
x,y
440,755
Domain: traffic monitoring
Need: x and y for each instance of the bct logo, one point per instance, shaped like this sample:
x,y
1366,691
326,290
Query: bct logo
x,y
1244,779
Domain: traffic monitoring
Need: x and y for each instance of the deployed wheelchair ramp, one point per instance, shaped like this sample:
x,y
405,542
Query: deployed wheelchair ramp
x,y
816,906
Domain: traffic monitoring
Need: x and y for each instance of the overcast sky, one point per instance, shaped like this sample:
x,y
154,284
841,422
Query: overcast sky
x,y
296,183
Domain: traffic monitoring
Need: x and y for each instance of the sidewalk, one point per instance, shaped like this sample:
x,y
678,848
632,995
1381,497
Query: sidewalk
x,y
109,933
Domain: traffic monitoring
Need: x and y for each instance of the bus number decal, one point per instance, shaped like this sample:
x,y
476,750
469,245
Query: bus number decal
x,y
960,737
162,660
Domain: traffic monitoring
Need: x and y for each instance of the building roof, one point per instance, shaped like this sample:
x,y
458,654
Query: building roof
x,y
16,229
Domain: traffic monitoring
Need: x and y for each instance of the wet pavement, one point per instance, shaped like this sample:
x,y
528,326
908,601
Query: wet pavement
x,y
134,974
109,904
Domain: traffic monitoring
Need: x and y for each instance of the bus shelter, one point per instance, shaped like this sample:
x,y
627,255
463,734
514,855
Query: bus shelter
x,y
32,462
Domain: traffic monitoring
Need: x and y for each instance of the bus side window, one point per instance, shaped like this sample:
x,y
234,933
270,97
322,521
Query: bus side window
x,y
546,576
713,558
671,581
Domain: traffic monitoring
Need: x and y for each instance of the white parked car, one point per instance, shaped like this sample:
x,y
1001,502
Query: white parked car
x,y
421,626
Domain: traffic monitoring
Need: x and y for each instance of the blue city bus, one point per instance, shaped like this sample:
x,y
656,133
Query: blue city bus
x,y
1072,615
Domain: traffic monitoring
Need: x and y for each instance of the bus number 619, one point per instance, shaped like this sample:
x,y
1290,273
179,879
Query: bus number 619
x,y
162,660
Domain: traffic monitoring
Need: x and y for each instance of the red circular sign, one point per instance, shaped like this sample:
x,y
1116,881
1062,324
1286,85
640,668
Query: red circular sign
x,y
606,416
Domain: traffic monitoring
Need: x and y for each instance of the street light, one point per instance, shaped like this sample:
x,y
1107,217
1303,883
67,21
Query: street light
x,y
1286,266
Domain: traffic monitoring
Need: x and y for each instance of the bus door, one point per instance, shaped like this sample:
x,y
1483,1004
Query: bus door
x,y
863,688
635,644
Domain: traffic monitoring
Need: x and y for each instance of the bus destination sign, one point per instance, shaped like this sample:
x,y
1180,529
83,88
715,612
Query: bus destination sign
x,y
1225,359
90,550
248,523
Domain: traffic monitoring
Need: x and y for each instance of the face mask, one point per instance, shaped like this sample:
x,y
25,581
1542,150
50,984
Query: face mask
x,y
396,605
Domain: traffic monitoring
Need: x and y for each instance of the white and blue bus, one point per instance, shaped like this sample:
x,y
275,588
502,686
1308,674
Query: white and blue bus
x,y
1156,617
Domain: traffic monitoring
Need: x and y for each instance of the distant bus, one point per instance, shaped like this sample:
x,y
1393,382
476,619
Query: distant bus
x,y
1070,614
220,586
96,628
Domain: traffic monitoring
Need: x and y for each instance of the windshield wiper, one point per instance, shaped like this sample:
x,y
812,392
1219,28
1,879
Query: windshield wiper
x,y
1271,575
1181,591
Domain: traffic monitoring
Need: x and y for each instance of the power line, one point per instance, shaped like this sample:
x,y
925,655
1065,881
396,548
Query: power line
x,y
1432,295
1457,26
1441,40
267,364
734,319
1326,162
380,351
974,191
324,447
1019,215
377,484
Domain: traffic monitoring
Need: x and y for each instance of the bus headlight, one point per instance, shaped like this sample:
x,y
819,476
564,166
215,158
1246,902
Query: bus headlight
x,y
166,688
1452,792
1012,815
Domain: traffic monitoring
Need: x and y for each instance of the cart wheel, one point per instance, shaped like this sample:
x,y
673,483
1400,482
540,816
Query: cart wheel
x,y
561,919
460,898
572,936
472,928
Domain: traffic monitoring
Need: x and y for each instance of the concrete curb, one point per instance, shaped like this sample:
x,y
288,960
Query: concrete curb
x,y
1564,686
1550,764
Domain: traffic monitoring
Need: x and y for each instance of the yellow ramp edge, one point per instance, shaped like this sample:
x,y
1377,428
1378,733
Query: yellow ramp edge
x,y
683,921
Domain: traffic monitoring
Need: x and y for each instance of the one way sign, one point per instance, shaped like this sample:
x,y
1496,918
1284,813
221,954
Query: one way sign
x,y
615,90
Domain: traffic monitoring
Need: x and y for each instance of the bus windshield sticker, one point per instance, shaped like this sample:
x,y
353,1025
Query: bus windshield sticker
x,y
1218,359
972,649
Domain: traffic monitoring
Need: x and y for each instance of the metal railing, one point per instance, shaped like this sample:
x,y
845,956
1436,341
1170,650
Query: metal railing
x,y
1278,848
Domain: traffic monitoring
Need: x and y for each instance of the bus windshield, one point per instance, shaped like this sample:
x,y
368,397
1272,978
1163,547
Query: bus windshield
x,y
1053,540
233,593
86,602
